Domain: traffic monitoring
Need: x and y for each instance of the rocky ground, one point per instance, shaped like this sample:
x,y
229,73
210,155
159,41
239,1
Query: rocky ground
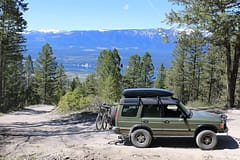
x,y
41,133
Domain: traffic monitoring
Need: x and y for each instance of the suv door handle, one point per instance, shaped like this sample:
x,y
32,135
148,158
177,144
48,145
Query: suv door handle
x,y
166,121
145,121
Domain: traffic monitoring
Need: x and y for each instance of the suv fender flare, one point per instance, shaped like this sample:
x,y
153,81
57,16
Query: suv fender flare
x,y
139,126
205,127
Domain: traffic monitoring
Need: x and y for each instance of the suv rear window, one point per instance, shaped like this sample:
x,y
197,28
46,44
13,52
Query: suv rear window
x,y
129,110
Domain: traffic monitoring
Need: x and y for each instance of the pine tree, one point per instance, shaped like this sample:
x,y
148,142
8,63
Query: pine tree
x,y
46,75
108,73
12,46
161,77
61,82
196,49
75,83
91,85
177,73
147,70
213,75
29,76
132,76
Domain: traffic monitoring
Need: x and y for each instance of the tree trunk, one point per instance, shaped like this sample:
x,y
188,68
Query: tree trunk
x,y
210,86
1,76
232,71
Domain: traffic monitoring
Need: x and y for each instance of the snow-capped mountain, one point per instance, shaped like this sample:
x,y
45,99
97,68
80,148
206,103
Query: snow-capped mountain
x,y
78,50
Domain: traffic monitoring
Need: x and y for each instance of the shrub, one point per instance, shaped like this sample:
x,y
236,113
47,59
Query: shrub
x,y
73,101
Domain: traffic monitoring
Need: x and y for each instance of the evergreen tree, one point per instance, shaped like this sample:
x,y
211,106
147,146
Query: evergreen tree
x,y
132,76
29,76
161,78
108,73
177,73
46,75
61,82
109,86
75,83
213,75
147,70
196,49
91,85
12,46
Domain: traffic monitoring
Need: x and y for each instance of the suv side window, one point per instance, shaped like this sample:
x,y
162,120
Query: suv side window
x,y
171,111
151,110
130,110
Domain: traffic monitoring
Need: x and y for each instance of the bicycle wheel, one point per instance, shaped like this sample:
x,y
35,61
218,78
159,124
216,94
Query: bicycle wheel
x,y
105,122
99,122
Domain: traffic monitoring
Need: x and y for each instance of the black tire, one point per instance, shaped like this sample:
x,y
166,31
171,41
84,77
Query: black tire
x,y
141,138
104,122
99,122
206,140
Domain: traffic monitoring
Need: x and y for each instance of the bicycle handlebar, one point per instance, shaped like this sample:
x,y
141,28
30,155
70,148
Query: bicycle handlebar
x,y
105,106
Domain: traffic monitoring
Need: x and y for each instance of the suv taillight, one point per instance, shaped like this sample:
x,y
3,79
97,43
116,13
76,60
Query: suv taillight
x,y
222,124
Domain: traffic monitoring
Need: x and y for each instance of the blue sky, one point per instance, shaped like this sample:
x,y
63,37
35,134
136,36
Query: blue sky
x,y
96,14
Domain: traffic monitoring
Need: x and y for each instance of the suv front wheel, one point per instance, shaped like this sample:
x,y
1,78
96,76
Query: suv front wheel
x,y
141,138
206,140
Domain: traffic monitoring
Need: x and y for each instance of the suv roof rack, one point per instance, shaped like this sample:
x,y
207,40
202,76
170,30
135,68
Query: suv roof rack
x,y
146,92
148,100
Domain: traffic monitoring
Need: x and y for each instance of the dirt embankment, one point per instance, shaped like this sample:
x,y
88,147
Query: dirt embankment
x,y
41,133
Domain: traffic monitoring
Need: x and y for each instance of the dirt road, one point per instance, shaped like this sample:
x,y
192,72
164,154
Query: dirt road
x,y
41,133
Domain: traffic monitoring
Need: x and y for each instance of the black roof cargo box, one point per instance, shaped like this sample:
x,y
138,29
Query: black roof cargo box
x,y
146,92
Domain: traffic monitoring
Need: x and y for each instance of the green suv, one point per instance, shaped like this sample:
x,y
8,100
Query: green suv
x,y
146,113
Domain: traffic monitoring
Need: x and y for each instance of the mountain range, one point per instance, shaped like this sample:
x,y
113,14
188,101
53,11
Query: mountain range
x,y
78,50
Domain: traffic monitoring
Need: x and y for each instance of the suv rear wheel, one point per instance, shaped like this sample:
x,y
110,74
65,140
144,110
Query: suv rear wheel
x,y
141,138
206,140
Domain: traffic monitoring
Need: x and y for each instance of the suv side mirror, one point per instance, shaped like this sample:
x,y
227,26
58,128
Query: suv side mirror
x,y
182,115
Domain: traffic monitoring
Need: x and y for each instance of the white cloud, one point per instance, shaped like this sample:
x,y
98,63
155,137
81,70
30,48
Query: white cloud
x,y
125,7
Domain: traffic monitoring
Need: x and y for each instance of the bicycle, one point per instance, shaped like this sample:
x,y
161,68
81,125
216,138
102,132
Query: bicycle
x,y
104,117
